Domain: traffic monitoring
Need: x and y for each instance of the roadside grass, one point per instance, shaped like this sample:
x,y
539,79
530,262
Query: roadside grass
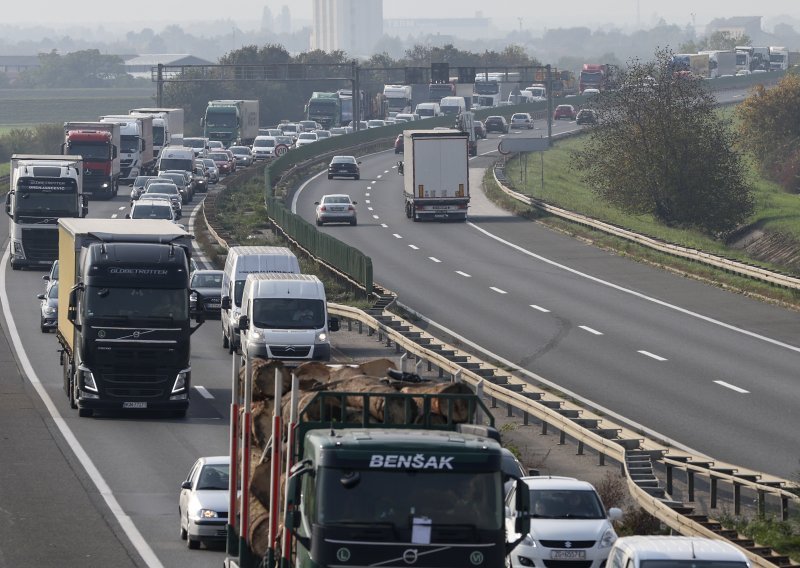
x,y
782,536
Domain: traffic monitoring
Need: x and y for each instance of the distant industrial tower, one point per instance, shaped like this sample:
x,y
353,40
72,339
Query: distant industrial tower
x,y
354,26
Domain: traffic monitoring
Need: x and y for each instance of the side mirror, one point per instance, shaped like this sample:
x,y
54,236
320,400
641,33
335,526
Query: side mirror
x,y
40,296
522,523
614,514
333,324
244,322
186,485
46,277
72,309
225,303
113,151
127,215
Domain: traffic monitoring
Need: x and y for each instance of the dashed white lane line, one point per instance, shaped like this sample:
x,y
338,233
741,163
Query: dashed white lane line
x,y
366,194
121,208
375,217
498,290
652,355
434,259
590,330
540,308
732,387
114,216
384,225
203,392
367,201
414,247
379,176
386,171
464,274
370,209
397,236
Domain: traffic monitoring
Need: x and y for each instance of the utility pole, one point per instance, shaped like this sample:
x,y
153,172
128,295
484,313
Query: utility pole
x,y
549,105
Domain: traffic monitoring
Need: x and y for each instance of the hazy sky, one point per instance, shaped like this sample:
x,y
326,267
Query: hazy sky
x,y
536,15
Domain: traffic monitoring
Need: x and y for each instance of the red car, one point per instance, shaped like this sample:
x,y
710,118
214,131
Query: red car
x,y
398,144
223,162
565,111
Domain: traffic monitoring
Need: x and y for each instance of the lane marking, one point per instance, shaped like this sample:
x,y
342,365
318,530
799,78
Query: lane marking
x,y
384,225
397,236
636,294
590,330
113,215
370,209
651,355
498,290
434,259
375,217
540,308
125,522
379,176
367,201
732,387
203,392
121,208
415,247
464,274
386,171
367,193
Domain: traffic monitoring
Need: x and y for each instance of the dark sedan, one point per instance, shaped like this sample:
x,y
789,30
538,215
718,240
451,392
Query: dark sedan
x,y
496,124
344,166
206,284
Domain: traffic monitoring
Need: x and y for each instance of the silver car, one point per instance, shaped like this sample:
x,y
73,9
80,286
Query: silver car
x,y
336,208
213,170
204,501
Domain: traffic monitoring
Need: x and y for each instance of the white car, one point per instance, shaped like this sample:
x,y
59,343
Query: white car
x,y
263,147
568,524
376,123
203,503
336,208
306,138
589,92
521,120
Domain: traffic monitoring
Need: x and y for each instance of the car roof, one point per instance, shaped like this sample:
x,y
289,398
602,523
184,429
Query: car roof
x,y
335,195
680,547
343,159
215,460
557,482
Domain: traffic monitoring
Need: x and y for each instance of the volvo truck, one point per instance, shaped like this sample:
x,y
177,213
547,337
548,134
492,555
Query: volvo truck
x,y
232,122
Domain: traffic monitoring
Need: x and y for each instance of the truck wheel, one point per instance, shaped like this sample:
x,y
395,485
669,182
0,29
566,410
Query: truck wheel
x,y
408,211
85,412
224,340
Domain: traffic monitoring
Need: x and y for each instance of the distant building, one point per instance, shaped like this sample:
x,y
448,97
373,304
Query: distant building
x,y
142,65
13,65
354,26
737,27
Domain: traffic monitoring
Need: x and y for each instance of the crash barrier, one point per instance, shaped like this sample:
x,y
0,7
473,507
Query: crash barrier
x,y
726,264
636,452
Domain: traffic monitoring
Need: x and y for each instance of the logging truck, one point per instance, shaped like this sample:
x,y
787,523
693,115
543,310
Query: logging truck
x,y
368,470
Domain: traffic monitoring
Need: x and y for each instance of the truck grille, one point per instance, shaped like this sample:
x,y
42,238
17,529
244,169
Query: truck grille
x,y
135,385
40,244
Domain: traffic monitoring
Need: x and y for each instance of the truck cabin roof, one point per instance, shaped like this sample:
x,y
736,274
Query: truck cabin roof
x,y
131,265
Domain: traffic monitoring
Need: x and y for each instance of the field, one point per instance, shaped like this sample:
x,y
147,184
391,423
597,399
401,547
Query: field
x,y
27,107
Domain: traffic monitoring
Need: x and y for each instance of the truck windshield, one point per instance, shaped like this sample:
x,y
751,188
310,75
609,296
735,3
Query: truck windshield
x,y
451,498
129,144
288,313
89,150
158,135
46,196
186,164
398,104
220,117
147,303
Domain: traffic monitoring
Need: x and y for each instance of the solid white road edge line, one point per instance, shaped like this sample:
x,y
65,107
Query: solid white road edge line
x,y
732,387
125,522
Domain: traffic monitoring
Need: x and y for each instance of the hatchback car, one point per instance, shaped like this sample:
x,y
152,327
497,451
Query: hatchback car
x,y
338,131
264,147
306,138
568,524
223,162
376,123
496,124
586,116
309,125
344,166
521,120
398,144
564,111
169,189
206,284
151,206
203,502
48,310
183,180
323,134
211,168
138,186
243,155
338,208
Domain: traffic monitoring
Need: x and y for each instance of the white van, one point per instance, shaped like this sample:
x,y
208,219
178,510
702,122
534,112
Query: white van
x,y
428,110
175,158
452,105
285,317
240,262
675,552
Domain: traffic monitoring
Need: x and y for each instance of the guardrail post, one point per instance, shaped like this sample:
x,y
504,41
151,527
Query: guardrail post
x,y
524,417
418,365
762,504
562,438
690,484
403,362
580,448
601,459
784,508
456,378
380,335
737,499
430,366
669,479
479,394
544,428
510,410
714,492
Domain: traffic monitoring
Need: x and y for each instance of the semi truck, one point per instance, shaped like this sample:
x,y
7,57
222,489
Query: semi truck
x,y
98,143
123,315
136,146
436,91
398,98
232,122
167,126
325,108
436,172
778,58
372,476
43,188
720,63
598,76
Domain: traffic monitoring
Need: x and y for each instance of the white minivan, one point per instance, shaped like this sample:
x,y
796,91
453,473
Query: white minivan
x,y
428,110
675,552
240,262
452,105
285,317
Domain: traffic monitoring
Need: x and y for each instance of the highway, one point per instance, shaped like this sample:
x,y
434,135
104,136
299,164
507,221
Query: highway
x,y
641,342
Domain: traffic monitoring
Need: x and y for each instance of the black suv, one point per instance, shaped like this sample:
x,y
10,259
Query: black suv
x,y
586,116
496,124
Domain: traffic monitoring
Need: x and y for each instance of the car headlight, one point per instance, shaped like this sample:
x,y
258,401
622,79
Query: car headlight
x,y
48,310
322,337
528,541
608,538
181,380
207,514
256,335
87,379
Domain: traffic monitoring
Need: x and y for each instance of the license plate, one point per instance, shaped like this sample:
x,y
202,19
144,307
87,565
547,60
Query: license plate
x,y
568,554
440,207
134,405
214,305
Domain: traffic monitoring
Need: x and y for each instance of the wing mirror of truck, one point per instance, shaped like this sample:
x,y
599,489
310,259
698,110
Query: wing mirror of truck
x,y
333,324
522,524
244,322
225,303
72,309
113,151
8,203
40,296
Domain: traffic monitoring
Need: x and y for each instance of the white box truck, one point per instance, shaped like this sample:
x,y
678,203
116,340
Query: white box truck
x,y
167,126
436,171
136,152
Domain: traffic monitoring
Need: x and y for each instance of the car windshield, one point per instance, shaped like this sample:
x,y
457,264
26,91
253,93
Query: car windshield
x,y
288,313
209,163
162,188
565,504
264,143
239,150
219,156
205,280
213,477
335,200
194,142
146,210
308,136
153,303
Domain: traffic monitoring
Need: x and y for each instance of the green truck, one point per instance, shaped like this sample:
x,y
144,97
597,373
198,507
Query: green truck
x,y
325,108
232,122
423,488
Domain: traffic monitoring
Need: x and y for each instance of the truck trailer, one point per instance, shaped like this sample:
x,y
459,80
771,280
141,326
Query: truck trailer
x,y
98,143
366,472
43,189
167,126
232,122
136,151
436,172
123,315
398,98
